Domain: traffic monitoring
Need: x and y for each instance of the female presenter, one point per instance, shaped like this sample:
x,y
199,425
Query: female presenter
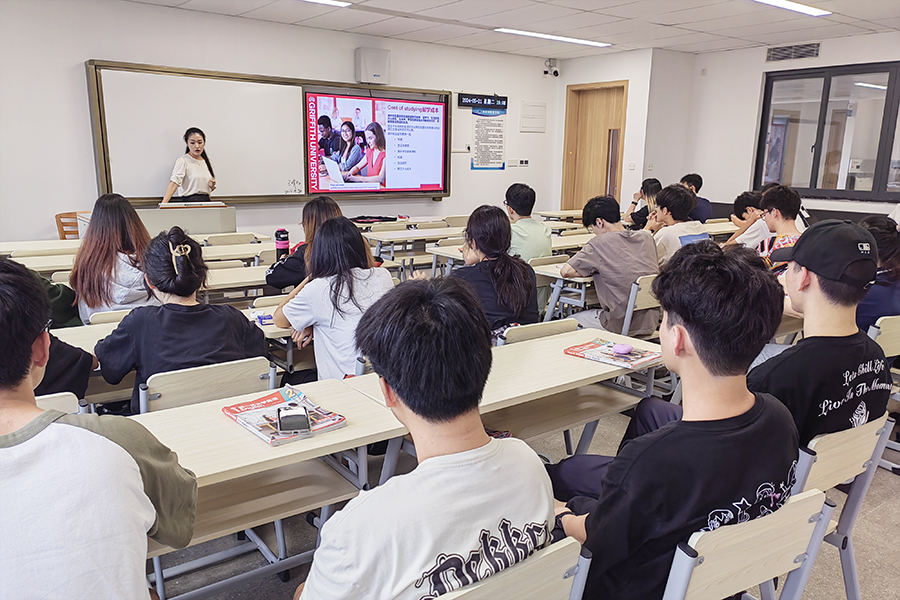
x,y
193,173
374,159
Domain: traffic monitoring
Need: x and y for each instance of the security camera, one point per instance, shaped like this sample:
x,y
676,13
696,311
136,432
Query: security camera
x,y
551,68
554,71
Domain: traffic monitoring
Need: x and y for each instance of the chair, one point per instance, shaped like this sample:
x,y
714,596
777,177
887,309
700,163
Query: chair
x,y
226,239
265,257
396,281
572,232
557,572
225,264
642,298
886,331
67,225
65,402
437,260
263,301
563,411
109,316
393,226
456,220
60,277
719,563
835,458
209,382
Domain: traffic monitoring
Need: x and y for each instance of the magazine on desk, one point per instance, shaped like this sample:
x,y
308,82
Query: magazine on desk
x,y
259,416
602,351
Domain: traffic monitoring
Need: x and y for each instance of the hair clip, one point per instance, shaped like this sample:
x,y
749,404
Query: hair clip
x,y
179,250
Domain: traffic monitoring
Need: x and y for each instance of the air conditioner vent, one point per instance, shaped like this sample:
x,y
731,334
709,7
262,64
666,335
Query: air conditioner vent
x,y
792,52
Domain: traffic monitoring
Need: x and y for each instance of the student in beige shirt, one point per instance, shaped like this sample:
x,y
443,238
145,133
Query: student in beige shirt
x,y
615,257
530,238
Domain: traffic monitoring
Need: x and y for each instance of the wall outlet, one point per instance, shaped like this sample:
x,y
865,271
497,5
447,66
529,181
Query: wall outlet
x,y
631,166
649,166
512,162
523,162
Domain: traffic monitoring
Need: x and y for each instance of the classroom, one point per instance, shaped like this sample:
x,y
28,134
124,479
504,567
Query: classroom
x,y
697,77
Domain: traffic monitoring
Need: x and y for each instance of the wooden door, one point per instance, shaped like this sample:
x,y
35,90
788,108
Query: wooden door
x,y
590,166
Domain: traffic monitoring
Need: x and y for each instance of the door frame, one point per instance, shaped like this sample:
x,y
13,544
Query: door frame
x,y
570,140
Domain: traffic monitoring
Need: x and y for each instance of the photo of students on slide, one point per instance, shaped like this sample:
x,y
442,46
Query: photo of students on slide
x,y
373,162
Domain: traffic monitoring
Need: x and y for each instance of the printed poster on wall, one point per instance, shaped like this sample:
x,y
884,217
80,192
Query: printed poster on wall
x,y
489,151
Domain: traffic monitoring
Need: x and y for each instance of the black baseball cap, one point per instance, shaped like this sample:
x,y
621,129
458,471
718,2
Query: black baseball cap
x,y
837,250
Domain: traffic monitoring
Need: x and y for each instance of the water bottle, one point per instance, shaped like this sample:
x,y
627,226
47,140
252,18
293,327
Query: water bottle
x,y
282,244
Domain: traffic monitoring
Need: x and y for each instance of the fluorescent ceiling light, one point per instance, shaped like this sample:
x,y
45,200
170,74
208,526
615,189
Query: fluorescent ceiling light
x,y
871,85
796,7
555,38
337,3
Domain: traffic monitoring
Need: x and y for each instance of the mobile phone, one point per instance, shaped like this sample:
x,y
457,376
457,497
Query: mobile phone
x,y
292,420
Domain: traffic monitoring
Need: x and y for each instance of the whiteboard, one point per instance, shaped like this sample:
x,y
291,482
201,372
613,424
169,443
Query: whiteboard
x,y
254,132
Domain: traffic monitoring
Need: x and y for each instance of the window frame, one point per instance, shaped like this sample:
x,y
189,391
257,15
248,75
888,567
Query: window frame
x,y
889,118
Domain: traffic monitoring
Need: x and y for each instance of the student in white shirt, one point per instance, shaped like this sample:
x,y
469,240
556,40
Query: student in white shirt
x,y
748,218
474,505
193,173
328,304
670,223
530,237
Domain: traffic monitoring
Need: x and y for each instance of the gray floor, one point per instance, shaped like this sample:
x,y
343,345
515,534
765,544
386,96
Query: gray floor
x,y
876,538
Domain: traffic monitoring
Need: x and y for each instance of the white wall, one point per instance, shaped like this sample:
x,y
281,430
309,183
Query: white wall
x,y
726,111
668,116
46,151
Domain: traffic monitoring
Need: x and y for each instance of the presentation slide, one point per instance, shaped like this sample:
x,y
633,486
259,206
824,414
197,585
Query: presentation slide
x,y
360,144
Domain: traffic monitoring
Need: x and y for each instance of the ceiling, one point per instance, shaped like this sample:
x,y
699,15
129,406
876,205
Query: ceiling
x,y
695,26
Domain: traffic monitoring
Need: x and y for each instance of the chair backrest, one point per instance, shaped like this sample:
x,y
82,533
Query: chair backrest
x,y
456,220
727,560
538,330
261,301
578,231
431,225
722,220
396,281
226,239
210,382
225,264
398,226
108,316
840,456
641,298
886,331
456,241
67,225
66,402
60,277
266,257
551,573
549,260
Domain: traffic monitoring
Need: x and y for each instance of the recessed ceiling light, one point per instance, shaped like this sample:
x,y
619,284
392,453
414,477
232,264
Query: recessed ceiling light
x,y
796,7
555,38
871,85
336,3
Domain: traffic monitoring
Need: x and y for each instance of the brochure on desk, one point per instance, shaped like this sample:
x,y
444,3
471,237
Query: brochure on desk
x,y
259,416
602,351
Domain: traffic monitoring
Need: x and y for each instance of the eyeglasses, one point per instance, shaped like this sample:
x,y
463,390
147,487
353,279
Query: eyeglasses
x,y
47,326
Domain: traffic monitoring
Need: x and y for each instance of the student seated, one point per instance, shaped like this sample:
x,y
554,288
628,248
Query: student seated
x,y
474,505
180,333
780,206
703,211
670,224
748,218
615,257
731,458
643,203
530,237
107,273
505,285
883,298
80,493
339,288
291,270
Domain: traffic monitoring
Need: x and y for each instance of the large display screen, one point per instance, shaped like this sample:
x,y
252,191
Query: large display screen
x,y
363,145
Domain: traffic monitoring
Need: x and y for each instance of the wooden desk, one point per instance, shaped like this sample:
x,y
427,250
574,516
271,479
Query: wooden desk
x,y
570,242
241,278
236,251
559,215
409,236
558,226
716,229
47,247
46,265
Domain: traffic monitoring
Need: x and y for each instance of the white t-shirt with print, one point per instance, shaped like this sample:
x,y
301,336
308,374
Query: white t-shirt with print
x,y
334,332
671,238
454,520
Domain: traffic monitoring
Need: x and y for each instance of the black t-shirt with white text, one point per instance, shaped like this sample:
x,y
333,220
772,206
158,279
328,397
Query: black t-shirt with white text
x,y
682,478
828,383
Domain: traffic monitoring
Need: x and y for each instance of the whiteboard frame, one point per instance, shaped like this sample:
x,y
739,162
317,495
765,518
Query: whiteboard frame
x,y
99,134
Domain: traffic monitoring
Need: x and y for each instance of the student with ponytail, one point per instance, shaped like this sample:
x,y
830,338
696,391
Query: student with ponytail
x,y
193,173
181,333
504,284
883,299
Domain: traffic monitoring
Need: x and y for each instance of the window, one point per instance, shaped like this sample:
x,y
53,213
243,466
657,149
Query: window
x,y
832,132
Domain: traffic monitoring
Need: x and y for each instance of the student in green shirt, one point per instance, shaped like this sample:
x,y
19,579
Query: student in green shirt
x,y
530,238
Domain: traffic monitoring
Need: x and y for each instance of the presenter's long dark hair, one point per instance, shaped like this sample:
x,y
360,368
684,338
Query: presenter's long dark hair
x,y
191,131
489,231
339,248
345,151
